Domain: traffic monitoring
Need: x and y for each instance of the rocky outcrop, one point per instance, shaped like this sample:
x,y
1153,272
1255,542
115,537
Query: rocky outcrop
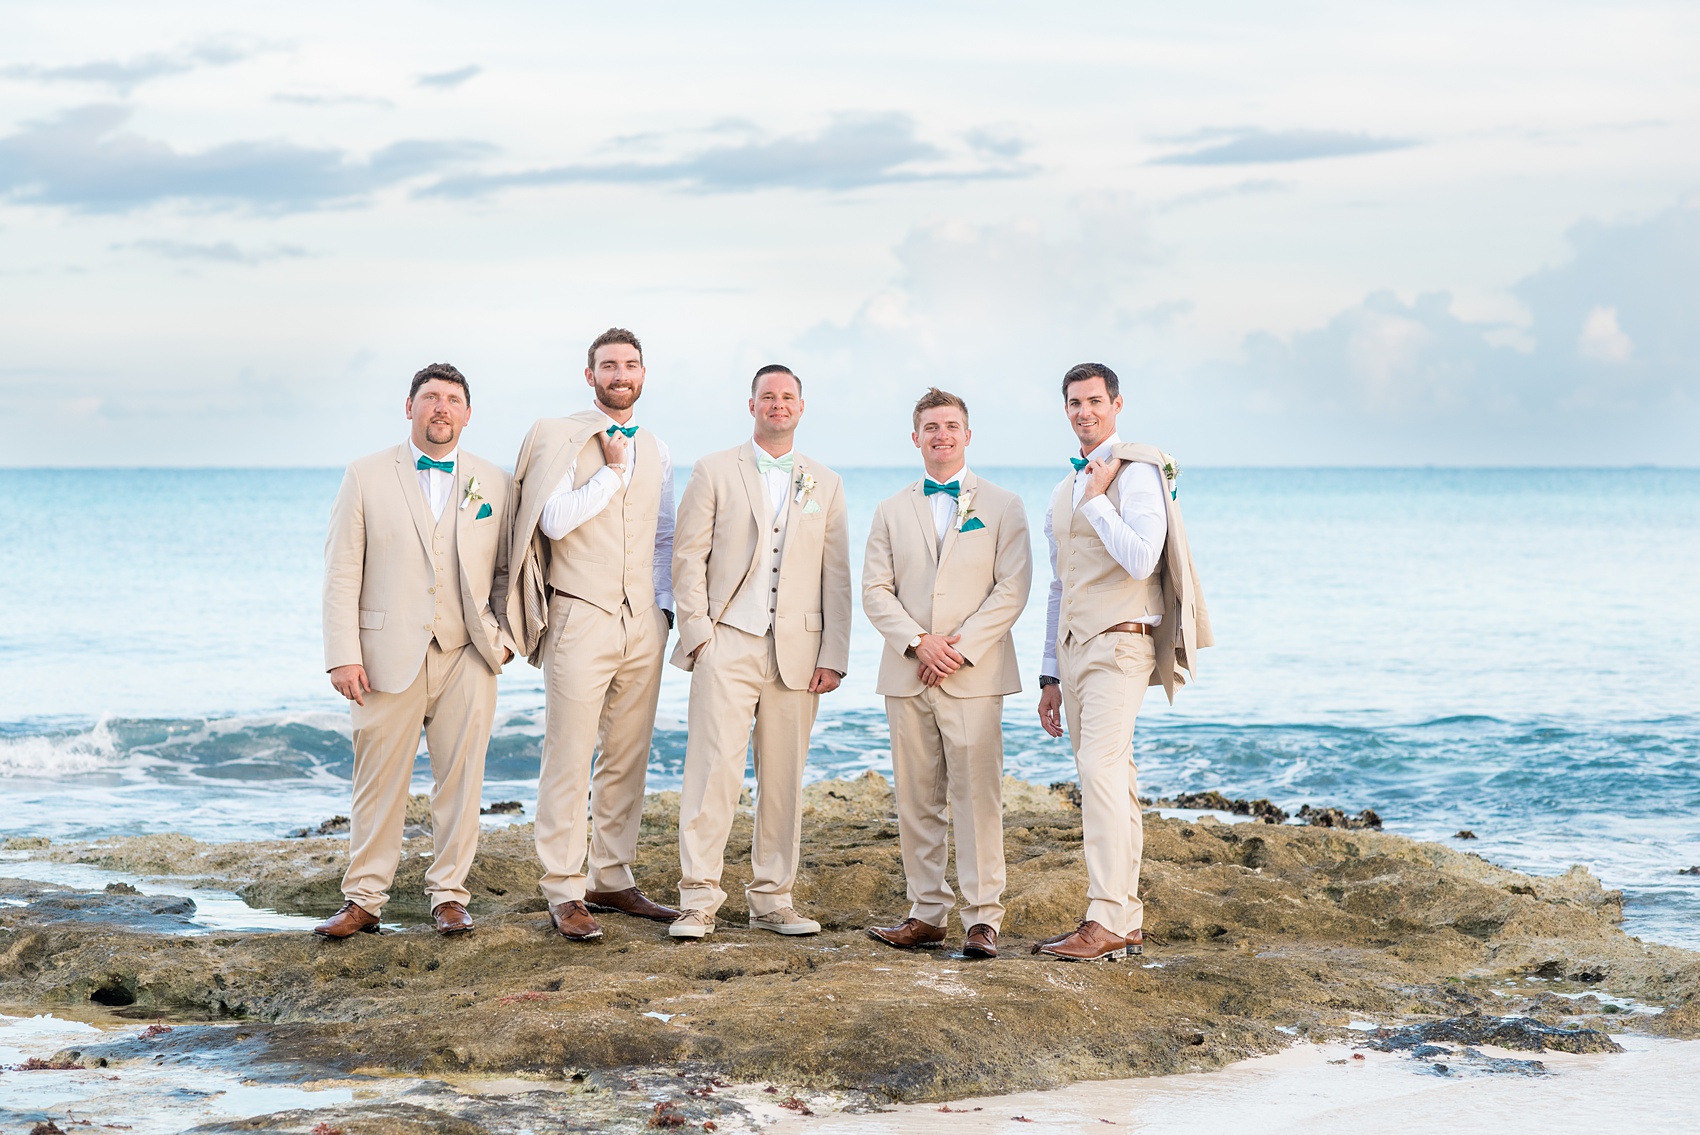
x,y
1255,932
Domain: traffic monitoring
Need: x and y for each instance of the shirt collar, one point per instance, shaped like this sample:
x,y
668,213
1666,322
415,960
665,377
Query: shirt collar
x,y
1103,449
957,476
760,452
454,455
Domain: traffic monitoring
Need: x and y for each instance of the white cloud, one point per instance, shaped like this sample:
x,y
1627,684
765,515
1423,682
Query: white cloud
x,y
1602,339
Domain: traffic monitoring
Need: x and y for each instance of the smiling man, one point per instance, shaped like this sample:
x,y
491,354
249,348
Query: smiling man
x,y
415,598
1125,612
593,602
762,567
945,577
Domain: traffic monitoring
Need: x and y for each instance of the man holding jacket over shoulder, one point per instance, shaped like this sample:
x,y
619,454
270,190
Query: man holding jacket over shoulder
x,y
592,603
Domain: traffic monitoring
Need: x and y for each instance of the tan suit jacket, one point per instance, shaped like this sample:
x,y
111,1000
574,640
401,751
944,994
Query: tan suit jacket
x,y
975,586
544,457
379,586
1185,629
723,516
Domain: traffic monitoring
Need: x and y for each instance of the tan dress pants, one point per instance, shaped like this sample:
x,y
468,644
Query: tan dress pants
x,y
1104,680
454,700
736,679
947,759
601,679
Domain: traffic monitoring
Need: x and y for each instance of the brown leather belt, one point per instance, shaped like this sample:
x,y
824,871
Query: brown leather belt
x,y
1132,628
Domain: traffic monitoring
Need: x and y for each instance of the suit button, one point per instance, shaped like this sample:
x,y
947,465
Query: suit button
x,y
431,590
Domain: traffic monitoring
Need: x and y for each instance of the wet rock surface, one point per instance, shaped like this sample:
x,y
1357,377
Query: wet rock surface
x,y
1522,1034
1255,933
119,905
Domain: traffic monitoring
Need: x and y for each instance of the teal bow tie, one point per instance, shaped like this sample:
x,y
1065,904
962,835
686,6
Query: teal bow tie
x,y
426,463
766,464
1079,463
930,486
627,430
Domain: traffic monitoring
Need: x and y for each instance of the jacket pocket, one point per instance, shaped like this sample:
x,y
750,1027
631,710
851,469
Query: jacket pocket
x,y
371,620
812,621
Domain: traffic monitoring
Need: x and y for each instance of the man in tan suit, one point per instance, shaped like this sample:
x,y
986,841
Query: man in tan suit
x,y
416,580
592,604
1125,612
946,575
762,569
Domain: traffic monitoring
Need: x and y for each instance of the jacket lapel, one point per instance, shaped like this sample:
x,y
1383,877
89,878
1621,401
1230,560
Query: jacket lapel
x,y
755,486
793,507
967,482
408,478
924,517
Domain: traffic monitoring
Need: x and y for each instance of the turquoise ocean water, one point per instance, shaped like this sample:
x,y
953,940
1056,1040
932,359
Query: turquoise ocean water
x,y
1516,652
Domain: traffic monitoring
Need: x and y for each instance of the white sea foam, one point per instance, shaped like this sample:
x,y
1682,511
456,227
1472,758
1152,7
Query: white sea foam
x,y
59,754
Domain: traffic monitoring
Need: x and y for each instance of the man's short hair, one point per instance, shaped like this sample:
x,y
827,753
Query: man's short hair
x,y
935,398
612,335
775,368
443,372
1081,372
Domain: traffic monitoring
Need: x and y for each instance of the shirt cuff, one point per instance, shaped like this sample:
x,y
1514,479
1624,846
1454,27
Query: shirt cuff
x,y
1048,667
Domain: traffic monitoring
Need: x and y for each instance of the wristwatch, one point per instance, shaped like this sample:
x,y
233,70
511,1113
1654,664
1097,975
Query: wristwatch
x,y
1047,680
913,644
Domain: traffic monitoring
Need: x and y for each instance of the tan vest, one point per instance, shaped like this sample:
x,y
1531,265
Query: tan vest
x,y
448,620
756,602
1097,592
610,558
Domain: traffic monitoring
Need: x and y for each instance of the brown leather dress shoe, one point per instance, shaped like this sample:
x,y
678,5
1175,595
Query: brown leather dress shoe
x,y
451,918
1089,942
574,921
909,934
630,901
352,919
982,942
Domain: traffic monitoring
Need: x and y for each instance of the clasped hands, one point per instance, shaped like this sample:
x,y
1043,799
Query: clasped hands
x,y
938,658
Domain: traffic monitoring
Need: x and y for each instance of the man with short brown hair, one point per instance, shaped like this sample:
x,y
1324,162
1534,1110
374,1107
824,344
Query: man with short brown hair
x,y
762,567
415,621
1125,612
945,576
592,603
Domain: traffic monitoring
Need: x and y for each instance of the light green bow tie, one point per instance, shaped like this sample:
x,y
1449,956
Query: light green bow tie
x,y
766,464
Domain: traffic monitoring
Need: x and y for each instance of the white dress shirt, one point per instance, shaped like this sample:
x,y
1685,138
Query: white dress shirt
x,y
1133,537
437,485
943,504
567,508
779,481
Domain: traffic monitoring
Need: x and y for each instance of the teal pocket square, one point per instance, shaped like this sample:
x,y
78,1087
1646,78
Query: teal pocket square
x,y
973,524
484,510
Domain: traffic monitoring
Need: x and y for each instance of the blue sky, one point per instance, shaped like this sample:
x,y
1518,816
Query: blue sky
x,y
1313,234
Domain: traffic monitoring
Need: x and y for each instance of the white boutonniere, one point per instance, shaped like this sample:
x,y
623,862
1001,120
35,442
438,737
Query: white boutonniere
x,y
1171,474
472,493
964,508
805,485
